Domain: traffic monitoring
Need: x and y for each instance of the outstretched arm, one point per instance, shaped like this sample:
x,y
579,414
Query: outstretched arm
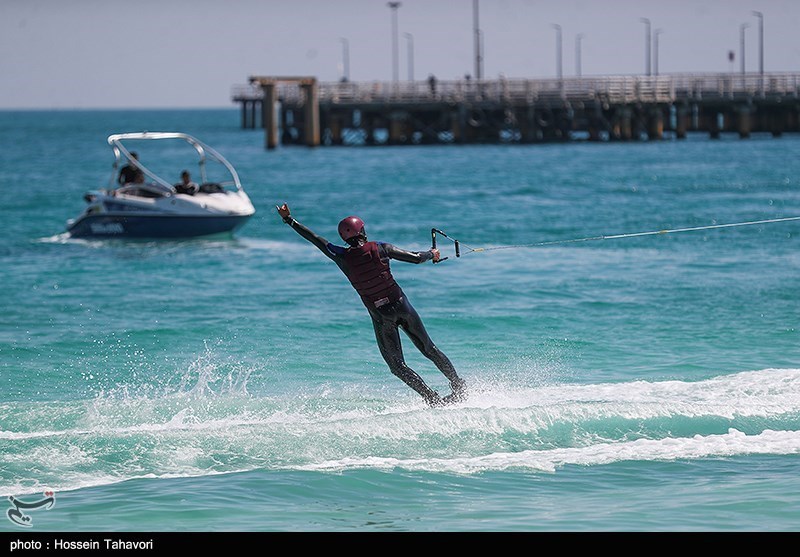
x,y
411,256
321,243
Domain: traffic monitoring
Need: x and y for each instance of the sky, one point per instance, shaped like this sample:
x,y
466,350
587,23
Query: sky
x,y
83,54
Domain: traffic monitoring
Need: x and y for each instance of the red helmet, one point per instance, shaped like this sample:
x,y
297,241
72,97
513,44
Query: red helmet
x,y
350,228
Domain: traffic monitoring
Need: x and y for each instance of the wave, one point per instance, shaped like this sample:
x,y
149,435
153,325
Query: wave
x,y
210,424
236,242
730,444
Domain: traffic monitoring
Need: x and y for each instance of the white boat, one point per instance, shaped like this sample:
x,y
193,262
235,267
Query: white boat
x,y
154,207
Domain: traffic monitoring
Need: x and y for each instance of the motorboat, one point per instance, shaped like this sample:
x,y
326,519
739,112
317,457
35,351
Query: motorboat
x,y
151,206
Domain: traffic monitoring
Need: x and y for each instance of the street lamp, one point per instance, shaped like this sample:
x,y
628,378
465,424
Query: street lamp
x,y
646,44
345,59
578,38
481,42
410,38
477,39
395,71
760,17
557,27
656,33
742,27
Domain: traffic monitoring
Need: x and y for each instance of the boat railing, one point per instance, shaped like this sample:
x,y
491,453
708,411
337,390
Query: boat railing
x,y
203,151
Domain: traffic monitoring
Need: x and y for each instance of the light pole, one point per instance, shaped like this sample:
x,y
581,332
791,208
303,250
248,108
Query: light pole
x,y
557,27
345,59
760,17
742,27
410,38
477,39
578,39
395,71
646,44
656,33
481,42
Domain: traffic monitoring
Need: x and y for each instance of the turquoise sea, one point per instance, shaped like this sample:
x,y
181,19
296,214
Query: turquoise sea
x,y
644,383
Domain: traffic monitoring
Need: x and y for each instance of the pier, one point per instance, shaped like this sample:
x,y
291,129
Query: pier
x,y
304,111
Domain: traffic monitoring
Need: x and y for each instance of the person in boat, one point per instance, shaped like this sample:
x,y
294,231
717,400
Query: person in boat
x,y
366,265
186,185
130,174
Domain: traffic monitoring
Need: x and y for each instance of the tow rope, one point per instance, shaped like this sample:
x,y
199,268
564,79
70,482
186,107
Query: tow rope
x,y
459,244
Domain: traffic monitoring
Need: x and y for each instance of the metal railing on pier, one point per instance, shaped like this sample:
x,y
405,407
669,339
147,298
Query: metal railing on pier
x,y
663,89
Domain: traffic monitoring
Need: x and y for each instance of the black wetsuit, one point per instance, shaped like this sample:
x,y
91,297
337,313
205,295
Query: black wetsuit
x,y
389,308
129,174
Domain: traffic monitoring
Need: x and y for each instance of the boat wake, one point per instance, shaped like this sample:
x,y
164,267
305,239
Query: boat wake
x,y
207,423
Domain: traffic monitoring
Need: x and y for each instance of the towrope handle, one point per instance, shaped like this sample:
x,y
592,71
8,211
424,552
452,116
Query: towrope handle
x,y
433,242
434,232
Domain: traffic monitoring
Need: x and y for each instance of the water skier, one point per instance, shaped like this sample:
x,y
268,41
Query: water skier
x,y
366,265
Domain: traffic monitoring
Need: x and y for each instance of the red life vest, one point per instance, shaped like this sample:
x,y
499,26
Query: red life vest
x,y
370,275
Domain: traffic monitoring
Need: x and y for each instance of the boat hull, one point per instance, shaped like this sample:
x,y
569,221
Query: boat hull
x,y
105,225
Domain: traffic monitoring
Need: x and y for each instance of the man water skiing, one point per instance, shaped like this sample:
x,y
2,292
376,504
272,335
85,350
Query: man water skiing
x,y
366,265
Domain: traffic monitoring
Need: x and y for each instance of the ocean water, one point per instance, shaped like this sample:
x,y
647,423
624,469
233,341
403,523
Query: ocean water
x,y
644,383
